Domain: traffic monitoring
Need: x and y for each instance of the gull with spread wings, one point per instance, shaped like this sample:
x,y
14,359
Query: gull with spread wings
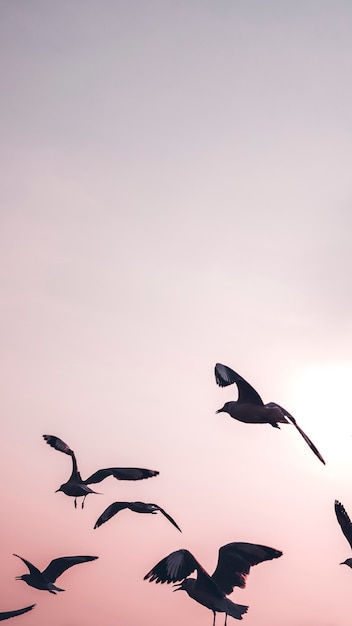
x,y
137,507
76,487
234,563
250,408
45,580
7,614
345,525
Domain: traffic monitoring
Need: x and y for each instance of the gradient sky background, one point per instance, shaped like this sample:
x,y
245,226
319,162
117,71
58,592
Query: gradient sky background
x,y
176,191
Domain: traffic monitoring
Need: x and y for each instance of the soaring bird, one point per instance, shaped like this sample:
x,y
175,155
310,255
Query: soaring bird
x,y
76,487
345,525
251,409
45,579
7,614
137,507
234,563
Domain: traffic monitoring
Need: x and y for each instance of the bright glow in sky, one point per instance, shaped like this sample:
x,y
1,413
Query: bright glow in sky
x,y
176,192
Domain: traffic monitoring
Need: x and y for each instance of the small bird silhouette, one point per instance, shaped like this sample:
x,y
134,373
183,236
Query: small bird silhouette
x,y
7,614
234,563
345,525
45,580
249,407
137,507
76,487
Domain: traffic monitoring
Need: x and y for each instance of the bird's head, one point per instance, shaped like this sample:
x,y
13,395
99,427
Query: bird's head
x,y
186,584
224,408
347,562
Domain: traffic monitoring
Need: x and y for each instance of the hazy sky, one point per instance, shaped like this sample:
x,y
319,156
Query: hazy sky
x,y
176,191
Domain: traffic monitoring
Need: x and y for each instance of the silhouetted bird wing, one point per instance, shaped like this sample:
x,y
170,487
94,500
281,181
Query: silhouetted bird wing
x,y
235,561
246,393
168,517
177,566
8,614
344,521
111,510
60,445
60,565
273,405
121,473
32,568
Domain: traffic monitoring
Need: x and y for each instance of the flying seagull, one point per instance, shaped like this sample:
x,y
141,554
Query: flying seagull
x,y
137,507
8,614
45,580
250,408
76,487
345,525
234,563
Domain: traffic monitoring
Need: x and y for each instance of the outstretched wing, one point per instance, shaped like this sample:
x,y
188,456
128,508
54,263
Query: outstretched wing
x,y
60,445
121,473
32,568
235,561
177,566
225,376
273,405
114,508
168,517
344,521
7,614
60,565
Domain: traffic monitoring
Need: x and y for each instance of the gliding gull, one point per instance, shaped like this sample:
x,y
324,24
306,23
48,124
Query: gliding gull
x,y
137,507
45,580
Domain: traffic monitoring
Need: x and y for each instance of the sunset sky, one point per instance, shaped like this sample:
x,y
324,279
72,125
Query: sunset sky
x,y
176,191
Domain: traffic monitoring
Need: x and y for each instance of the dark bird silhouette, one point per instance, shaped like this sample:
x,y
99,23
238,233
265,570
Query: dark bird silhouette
x,y
345,525
137,507
7,614
76,487
250,408
234,563
45,580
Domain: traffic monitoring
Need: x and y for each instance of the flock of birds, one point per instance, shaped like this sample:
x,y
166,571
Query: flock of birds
x,y
234,559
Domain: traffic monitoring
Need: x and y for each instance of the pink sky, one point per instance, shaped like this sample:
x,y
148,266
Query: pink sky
x,y
177,191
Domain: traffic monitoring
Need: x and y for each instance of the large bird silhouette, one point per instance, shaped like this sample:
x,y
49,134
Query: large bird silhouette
x,y
45,580
7,614
234,563
76,487
346,527
250,408
137,507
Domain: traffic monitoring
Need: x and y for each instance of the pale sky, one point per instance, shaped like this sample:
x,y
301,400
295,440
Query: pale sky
x,y
176,192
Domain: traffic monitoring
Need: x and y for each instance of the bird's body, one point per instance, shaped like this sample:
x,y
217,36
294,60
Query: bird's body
x,y
346,527
234,563
7,614
45,580
250,408
76,487
136,507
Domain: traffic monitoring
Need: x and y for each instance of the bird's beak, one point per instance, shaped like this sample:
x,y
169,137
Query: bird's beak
x,y
18,577
218,411
57,490
178,587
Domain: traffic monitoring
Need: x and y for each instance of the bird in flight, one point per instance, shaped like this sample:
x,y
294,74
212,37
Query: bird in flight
x,y
250,408
76,487
345,525
137,507
45,580
234,563
7,614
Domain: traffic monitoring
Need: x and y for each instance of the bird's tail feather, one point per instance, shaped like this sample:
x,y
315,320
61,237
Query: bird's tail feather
x,y
235,610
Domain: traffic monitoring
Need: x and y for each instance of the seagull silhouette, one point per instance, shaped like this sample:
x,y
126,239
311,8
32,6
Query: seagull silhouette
x,y
345,525
76,487
7,614
250,408
45,580
137,507
234,563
